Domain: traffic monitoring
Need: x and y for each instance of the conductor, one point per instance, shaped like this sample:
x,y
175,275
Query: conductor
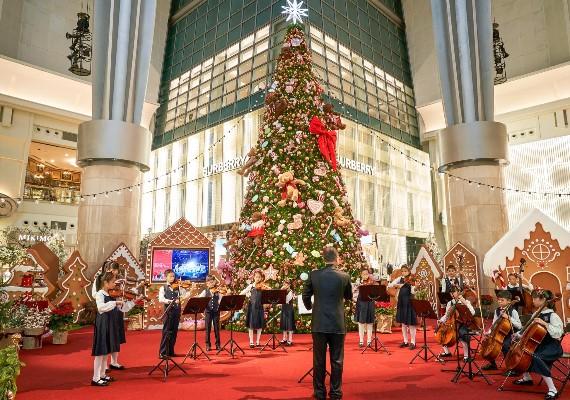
x,y
330,288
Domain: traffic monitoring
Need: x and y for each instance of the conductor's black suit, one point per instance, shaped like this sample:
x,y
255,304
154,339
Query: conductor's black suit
x,y
330,288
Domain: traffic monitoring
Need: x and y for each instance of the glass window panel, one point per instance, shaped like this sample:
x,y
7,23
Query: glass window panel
x,y
334,68
183,99
361,94
215,104
349,100
193,93
216,92
244,80
262,46
174,83
358,71
258,73
317,48
220,57
206,76
368,65
171,104
208,63
332,55
171,114
369,77
346,75
217,81
246,54
356,59
245,67
192,104
202,111
343,50
347,87
233,50
334,80
195,71
231,74
232,62
345,63
260,59
246,42
316,33
319,60
204,88
203,99
262,33
229,98
194,82
218,69
358,81
330,41
243,93
230,86
184,77
258,85
183,89
169,125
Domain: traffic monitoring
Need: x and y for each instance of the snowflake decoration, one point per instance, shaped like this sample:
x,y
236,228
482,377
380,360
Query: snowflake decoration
x,y
294,11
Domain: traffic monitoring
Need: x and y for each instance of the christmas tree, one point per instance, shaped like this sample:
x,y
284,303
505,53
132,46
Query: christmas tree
x,y
296,200
74,284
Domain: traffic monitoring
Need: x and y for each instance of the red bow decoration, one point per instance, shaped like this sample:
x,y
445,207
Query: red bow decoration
x,y
326,140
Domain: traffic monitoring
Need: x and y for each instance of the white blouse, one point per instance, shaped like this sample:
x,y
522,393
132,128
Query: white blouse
x,y
451,303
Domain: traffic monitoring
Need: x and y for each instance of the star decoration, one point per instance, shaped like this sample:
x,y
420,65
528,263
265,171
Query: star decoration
x,y
294,11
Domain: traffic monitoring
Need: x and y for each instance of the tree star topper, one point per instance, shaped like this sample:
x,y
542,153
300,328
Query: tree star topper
x,y
294,11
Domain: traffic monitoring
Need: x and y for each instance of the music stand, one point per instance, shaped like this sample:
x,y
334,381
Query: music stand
x,y
424,310
194,306
373,293
167,359
231,303
466,318
274,297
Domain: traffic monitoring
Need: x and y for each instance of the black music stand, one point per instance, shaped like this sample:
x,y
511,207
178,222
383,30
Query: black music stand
x,y
274,297
443,298
424,310
466,318
515,292
167,359
194,306
231,303
374,293
310,371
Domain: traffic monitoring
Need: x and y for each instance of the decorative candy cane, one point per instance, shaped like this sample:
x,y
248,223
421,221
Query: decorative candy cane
x,y
255,248
330,223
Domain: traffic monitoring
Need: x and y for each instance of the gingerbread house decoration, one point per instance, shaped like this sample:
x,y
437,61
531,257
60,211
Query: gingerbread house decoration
x,y
428,274
75,285
545,246
465,261
29,278
180,235
50,260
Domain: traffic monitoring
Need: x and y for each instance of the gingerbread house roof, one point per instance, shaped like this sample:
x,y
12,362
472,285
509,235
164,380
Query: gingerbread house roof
x,y
181,233
497,256
123,251
424,253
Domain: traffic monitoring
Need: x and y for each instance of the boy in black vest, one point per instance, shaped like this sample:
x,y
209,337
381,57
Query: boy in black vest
x,y
451,279
504,297
212,313
167,295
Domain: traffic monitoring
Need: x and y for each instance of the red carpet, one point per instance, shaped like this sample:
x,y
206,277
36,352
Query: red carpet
x,y
64,372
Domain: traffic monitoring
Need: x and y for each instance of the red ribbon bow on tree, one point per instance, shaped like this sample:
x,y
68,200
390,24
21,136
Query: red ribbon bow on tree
x,y
326,140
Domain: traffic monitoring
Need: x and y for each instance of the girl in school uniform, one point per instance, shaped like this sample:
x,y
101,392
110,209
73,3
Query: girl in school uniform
x,y
365,310
106,337
550,349
287,322
255,317
405,313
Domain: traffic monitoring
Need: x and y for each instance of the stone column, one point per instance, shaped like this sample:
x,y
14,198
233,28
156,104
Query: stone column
x,y
472,146
113,148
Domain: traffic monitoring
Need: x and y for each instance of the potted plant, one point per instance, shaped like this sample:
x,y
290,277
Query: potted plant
x,y
134,316
384,316
15,319
60,322
35,323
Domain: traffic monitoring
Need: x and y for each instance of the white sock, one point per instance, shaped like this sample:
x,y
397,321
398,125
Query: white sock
x,y
361,332
369,332
285,334
115,359
405,333
103,367
250,332
550,383
413,334
98,362
527,377
445,349
258,335
291,336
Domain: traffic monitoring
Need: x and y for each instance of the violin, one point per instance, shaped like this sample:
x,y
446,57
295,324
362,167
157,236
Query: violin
x,y
410,279
262,286
521,353
123,295
493,343
182,284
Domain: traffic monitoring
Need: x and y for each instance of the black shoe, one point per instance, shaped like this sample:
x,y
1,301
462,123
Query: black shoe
x,y
100,382
511,374
218,347
289,343
523,382
283,341
117,367
108,378
445,355
251,346
490,366
551,395
208,348
412,346
402,345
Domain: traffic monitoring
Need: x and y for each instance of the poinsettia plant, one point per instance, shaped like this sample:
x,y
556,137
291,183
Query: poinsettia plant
x,y
385,308
62,317
137,309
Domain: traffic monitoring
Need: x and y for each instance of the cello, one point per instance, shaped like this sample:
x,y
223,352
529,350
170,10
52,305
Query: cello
x,y
445,333
521,353
493,343
525,293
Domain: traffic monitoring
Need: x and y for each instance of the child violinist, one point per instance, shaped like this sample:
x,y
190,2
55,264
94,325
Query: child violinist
x,y
170,295
106,339
287,322
255,317
365,310
550,349
504,297
212,313
405,313
462,330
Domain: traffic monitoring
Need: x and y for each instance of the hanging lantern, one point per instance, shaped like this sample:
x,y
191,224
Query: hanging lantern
x,y
499,54
80,56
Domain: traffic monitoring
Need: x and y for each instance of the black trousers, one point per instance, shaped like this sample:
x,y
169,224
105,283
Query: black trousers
x,y
170,331
336,354
212,318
